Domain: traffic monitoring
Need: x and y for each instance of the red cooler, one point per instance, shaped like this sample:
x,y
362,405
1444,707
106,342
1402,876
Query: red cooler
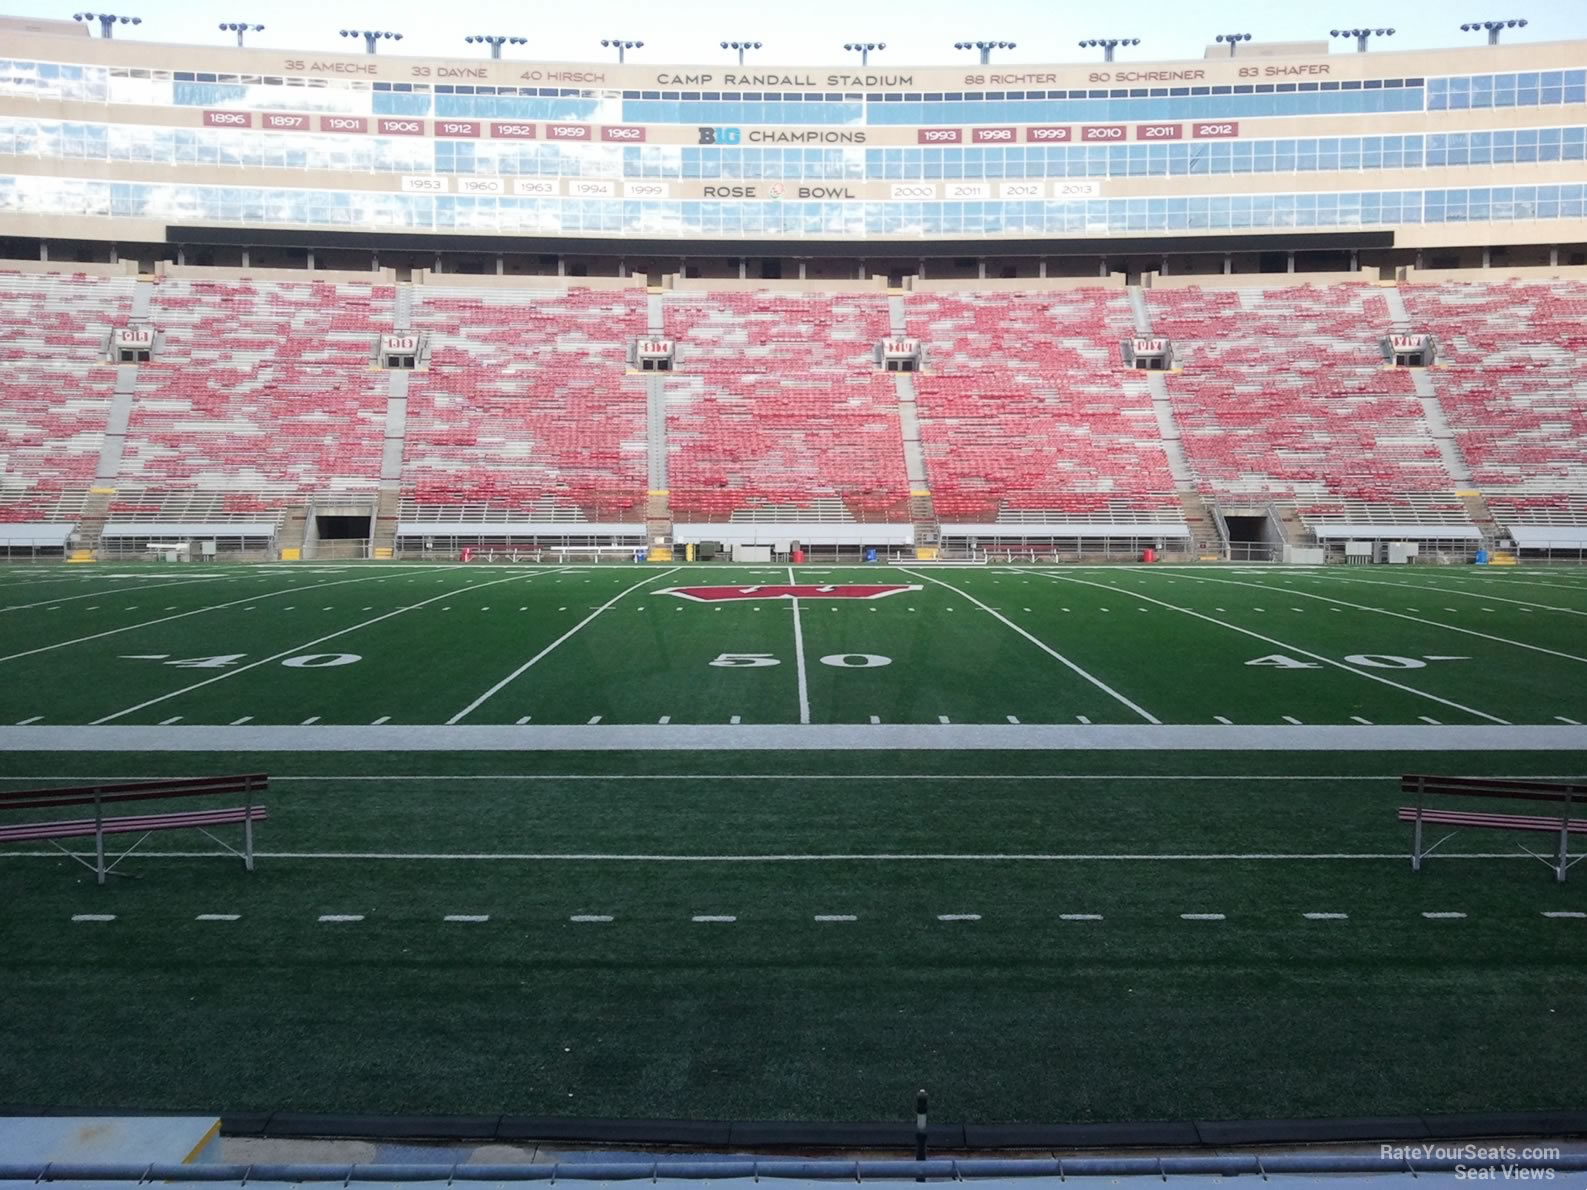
x,y
1148,554
797,556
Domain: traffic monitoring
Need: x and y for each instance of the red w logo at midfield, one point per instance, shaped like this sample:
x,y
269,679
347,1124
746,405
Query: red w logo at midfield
x,y
790,591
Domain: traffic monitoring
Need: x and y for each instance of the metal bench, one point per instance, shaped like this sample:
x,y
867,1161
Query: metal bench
x,y
1565,795
143,825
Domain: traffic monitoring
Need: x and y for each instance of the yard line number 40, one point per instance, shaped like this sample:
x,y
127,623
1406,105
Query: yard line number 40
x,y
836,660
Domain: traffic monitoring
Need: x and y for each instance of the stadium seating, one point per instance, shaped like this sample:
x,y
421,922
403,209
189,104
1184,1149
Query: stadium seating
x,y
55,387
525,406
1284,396
1511,384
1024,407
779,406
261,391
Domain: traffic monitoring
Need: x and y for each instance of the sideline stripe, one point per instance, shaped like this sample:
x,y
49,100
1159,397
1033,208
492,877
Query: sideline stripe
x,y
1360,673
1383,611
1044,647
959,737
799,656
241,669
545,652
214,607
22,607
1528,603
797,776
836,857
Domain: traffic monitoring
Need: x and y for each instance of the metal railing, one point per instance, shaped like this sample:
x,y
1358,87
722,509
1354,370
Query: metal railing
x,y
937,1169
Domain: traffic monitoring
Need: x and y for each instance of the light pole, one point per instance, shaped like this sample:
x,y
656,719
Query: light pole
x,y
495,41
622,45
1233,39
1493,28
863,49
986,47
741,46
107,21
1361,36
371,37
239,28
1108,44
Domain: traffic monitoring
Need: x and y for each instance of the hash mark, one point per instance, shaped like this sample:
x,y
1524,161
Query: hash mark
x,y
1083,719
1014,720
1561,718
171,720
590,917
958,917
1326,916
1079,917
240,722
1290,719
93,917
876,718
734,720
1204,916
1360,720
707,917
594,719
664,720
836,917
1442,916
382,719
942,719
523,720
1429,719
1225,722
310,720
25,722
218,917
339,917
466,917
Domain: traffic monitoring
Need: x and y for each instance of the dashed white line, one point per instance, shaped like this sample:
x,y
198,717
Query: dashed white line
x,y
340,917
664,720
1082,719
218,917
836,917
1430,719
93,917
1571,913
1079,917
171,720
943,719
712,917
467,917
1013,719
1290,719
1326,916
1205,916
25,722
1222,720
1442,916
522,720
594,719
958,917
310,721
588,918
1572,722
1360,720
379,721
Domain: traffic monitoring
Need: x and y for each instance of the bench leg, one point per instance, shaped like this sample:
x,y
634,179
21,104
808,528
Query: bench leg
x,y
1416,843
247,844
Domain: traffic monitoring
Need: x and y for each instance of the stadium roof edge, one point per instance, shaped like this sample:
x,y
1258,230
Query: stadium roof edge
x,y
284,237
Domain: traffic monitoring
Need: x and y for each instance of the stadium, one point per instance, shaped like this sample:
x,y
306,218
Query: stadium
x,y
1060,585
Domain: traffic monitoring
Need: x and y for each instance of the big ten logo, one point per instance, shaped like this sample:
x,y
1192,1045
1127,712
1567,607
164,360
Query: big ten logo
x,y
1103,132
623,132
939,136
991,136
568,131
719,136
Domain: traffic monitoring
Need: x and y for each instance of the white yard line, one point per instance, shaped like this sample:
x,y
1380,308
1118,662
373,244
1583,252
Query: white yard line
x,y
1048,649
552,647
298,648
1360,673
1360,582
793,737
799,657
215,607
814,857
22,607
692,778
1383,611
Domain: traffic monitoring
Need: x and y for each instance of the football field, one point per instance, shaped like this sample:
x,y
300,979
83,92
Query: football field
x,y
360,645
1058,843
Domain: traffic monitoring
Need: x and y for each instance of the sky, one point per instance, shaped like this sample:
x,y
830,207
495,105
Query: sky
x,y
917,32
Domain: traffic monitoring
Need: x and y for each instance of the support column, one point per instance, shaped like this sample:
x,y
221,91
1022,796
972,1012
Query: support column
x,y
980,268
1102,267
1355,260
743,268
438,268
44,252
1289,262
622,267
246,257
801,268
115,256
1553,256
311,260
374,261
1041,268
1228,263
1487,258
1162,268
562,266
501,265
859,272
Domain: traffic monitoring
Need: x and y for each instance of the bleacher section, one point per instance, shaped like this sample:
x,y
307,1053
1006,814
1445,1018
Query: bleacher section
x,y
1026,414
1511,381
778,409
525,408
262,392
55,389
1284,396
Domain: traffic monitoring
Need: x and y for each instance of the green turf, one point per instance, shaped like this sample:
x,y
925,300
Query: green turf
x,y
430,644
1018,1015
